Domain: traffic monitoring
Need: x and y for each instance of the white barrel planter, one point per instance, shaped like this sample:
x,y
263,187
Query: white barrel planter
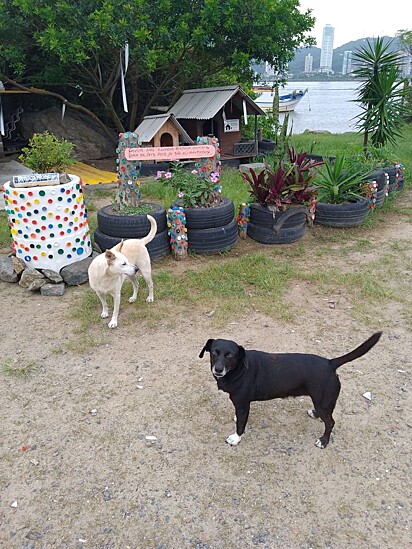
x,y
49,224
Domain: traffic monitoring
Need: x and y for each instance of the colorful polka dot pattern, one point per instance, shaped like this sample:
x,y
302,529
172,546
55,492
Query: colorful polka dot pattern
x,y
176,222
49,225
128,171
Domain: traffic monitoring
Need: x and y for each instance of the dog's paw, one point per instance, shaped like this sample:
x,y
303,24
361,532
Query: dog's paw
x,y
320,444
112,324
104,314
132,299
312,413
150,299
234,439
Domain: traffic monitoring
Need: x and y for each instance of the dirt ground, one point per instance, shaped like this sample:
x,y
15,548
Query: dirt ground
x,y
76,468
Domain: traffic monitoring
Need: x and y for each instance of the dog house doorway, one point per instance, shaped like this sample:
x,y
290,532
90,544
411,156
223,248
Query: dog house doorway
x,y
166,140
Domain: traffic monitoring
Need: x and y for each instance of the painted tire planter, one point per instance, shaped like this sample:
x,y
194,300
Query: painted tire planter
x,y
157,248
130,226
393,175
348,214
207,218
285,228
213,240
266,145
49,224
380,177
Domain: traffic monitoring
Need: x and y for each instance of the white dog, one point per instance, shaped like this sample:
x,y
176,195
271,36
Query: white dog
x,y
108,271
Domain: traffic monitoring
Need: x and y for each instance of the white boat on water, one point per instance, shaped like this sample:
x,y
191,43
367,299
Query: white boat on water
x,y
287,102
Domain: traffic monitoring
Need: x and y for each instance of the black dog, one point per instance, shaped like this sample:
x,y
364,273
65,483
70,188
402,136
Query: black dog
x,y
254,375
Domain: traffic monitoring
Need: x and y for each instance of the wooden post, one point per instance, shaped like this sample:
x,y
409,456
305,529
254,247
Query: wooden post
x,y
208,166
176,222
128,172
243,219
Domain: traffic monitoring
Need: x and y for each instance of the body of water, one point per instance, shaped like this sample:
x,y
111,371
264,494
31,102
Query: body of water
x,y
326,106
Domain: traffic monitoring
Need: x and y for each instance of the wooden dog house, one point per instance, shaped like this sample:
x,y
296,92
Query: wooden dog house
x,y
218,112
162,130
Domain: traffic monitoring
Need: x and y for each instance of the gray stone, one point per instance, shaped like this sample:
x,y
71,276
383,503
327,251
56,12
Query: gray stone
x,y
53,276
7,272
37,284
90,140
76,273
29,275
53,289
18,264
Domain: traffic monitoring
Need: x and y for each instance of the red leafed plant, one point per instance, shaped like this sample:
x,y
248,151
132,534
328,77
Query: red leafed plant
x,y
288,183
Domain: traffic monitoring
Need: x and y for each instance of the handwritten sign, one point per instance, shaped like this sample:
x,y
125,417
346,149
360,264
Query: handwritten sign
x,y
170,153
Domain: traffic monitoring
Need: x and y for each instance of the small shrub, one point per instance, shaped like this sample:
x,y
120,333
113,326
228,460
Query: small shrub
x,y
47,153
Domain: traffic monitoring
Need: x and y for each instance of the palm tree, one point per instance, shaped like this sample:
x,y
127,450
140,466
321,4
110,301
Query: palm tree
x,y
381,93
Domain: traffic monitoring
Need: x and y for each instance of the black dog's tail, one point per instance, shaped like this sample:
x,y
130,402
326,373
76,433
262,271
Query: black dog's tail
x,y
356,353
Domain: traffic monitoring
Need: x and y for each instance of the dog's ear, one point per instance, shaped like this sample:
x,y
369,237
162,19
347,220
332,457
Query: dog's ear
x,y
119,246
242,354
109,256
206,347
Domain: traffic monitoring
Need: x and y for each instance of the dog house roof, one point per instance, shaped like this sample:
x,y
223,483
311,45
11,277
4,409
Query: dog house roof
x,y
150,125
205,103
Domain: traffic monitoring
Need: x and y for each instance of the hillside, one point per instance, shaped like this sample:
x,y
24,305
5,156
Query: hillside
x,y
297,66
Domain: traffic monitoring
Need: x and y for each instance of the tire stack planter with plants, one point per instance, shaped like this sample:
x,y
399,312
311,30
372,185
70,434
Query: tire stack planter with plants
x,y
210,230
210,218
117,223
266,146
281,195
112,228
348,214
393,175
285,228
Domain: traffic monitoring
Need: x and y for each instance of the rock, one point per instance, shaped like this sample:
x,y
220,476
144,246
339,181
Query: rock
x,y
76,273
18,264
7,272
53,276
90,140
36,284
29,275
53,289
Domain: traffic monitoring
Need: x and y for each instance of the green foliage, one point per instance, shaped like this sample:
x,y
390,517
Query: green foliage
x,y
288,183
340,181
5,236
46,153
173,46
192,187
381,95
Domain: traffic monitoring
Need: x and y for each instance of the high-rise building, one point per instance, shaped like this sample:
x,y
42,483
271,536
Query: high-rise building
x,y
326,53
347,62
309,63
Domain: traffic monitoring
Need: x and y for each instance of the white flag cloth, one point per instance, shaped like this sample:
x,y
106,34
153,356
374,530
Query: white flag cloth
x,y
123,74
245,111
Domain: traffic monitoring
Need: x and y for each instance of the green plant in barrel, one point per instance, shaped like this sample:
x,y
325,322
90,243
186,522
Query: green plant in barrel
x,y
46,153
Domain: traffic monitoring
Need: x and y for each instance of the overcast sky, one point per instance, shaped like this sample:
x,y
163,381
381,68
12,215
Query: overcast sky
x,y
353,19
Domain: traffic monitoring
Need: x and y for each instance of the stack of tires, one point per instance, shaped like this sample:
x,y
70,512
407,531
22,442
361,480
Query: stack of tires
x,y
396,178
112,228
380,178
347,214
285,228
210,230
